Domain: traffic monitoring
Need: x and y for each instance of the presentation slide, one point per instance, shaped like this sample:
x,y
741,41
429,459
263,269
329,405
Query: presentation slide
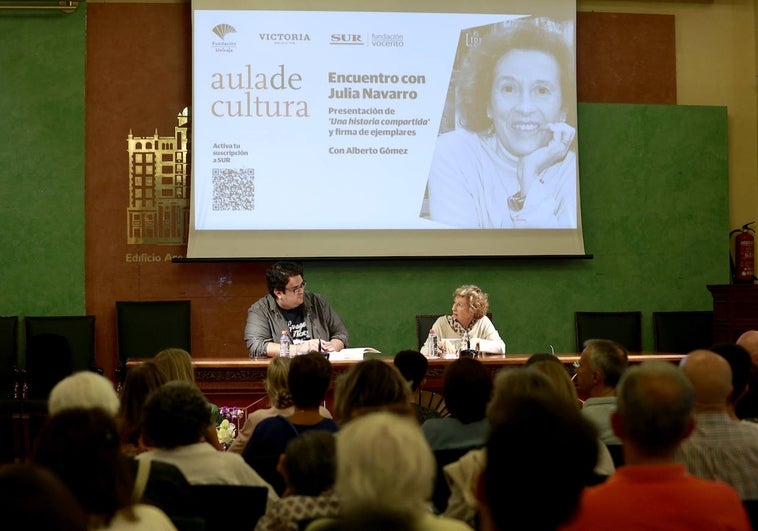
x,y
369,133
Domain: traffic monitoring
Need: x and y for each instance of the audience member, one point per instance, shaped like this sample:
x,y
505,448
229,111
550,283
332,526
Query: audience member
x,y
597,373
541,378
176,364
311,322
159,484
560,378
84,389
469,315
748,406
32,497
413,365
467,386
175,422
308,379
720,447
81,447
371,385
308,467
279,398
528,483
653,417
140,380
385,466
739,361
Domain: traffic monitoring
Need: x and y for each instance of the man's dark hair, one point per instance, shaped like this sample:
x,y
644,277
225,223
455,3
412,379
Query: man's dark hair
x,y
529,482
280,273
311,465
412,364
467,387
176,414
309,378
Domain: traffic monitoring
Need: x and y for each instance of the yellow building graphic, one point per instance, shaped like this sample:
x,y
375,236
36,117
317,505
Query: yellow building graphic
x,y
159,186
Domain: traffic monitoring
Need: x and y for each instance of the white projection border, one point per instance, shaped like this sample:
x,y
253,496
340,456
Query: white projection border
x,y
316,134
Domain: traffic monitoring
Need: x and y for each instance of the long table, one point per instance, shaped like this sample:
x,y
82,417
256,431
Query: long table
x,y
240,381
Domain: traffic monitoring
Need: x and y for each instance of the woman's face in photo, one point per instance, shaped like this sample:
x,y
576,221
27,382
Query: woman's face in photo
x,y
526,95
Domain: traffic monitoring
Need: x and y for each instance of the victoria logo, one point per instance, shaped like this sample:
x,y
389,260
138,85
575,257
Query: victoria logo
x,y
222,30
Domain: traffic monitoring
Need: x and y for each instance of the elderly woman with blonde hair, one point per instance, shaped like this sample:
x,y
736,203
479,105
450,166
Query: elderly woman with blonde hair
x,y
385,466
176,364
468,317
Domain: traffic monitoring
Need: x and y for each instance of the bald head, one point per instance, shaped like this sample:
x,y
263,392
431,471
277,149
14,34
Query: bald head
x,y
749,341
711,377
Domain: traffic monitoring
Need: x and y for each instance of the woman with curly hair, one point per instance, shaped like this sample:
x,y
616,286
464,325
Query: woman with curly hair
x,y
469,316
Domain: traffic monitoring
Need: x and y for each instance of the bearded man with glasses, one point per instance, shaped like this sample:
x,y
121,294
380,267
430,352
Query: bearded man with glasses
x,y
310,320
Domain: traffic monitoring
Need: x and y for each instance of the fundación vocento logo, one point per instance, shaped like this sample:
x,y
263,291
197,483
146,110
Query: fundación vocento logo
x,y
370,39
222,30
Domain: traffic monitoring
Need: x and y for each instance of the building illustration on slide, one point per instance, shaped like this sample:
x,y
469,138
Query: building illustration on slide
x,y
159,186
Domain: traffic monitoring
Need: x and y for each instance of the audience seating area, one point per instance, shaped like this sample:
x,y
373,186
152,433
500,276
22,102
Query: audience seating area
x,y
53,347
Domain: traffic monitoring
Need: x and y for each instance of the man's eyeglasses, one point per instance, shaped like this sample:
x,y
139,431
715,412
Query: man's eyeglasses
x,y
301,287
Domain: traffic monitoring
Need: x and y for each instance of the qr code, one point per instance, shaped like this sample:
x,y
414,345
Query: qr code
x,y
233,189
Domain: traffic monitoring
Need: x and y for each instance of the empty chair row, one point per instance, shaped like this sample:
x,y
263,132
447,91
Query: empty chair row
x,y
676,332
57,346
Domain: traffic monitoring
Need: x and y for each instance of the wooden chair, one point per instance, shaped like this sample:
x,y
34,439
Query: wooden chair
x,y
623,327
682,332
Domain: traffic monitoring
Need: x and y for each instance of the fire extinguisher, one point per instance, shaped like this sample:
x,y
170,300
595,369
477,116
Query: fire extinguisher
x,y
742,262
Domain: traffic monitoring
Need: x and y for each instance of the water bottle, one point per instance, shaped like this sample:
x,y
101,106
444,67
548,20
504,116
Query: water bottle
x,y
431,342
284,344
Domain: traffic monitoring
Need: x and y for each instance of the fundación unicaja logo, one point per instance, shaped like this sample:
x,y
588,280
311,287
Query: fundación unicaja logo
x,y
222,30
225,45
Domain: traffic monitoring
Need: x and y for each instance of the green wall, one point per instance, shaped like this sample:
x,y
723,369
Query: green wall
x,y
654,200
654,206
42,58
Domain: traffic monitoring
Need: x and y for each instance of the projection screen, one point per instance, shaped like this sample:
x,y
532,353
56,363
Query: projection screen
x,y
384,129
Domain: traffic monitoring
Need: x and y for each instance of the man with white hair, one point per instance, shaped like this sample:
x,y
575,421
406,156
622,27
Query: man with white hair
x,y
720,447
